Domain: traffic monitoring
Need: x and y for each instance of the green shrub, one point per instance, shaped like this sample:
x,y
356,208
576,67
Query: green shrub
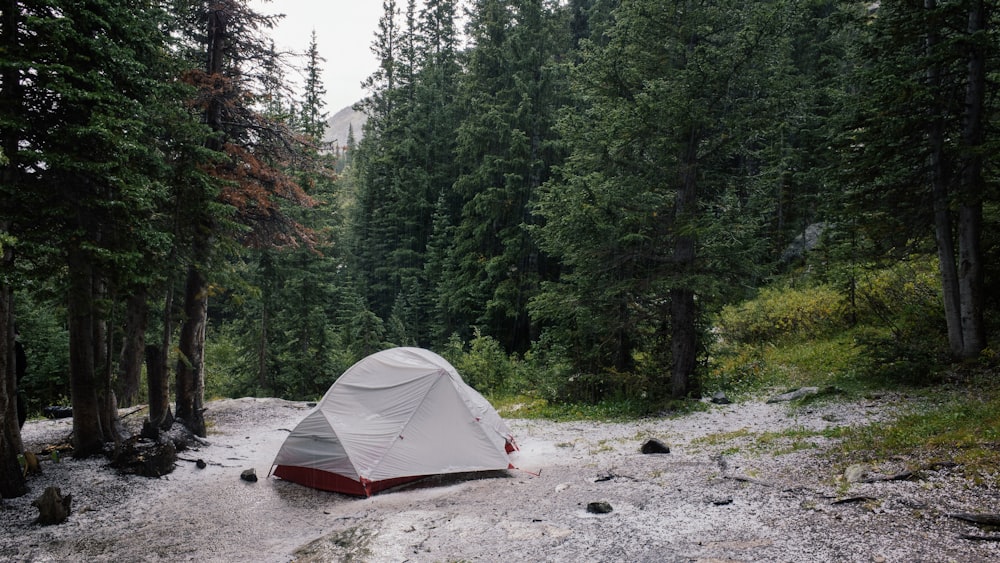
x,y
484,364
906,337
781,312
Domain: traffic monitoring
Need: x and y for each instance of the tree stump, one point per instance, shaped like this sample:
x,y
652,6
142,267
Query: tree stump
x,y
145,457
53,508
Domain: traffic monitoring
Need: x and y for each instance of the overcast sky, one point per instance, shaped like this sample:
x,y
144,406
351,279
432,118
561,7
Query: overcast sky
x,y
344,33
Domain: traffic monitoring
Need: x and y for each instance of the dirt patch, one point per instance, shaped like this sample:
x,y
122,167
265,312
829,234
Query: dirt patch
x,y
715,497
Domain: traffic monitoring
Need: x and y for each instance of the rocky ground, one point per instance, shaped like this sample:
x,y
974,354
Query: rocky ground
x,y
716,496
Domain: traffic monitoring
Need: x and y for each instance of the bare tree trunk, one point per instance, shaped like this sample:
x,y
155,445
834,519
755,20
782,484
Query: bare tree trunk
x,y
160,417
103,366
88,435
11,478
12,482
683,312
970,214
130,364
939,180
191,349
262,345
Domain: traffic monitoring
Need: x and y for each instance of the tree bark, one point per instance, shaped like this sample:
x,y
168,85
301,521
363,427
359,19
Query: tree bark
x,y
940,193
191,350
12,482
970,215
159,416
88,434
130,364
683,312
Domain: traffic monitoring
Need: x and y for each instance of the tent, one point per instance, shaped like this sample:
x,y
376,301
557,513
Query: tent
x,y
394,417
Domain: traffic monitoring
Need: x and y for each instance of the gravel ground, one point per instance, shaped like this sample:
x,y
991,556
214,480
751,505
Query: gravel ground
x,y
715,497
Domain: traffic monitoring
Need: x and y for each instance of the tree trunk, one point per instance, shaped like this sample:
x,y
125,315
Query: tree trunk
x,y
107,400
130,364
160,417
88,435
940,193
12,482
191,350
11,478
683,311
970,215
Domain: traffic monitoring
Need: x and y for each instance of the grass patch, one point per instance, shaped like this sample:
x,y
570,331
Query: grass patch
x,y
769,443
962,427
608,410
749,369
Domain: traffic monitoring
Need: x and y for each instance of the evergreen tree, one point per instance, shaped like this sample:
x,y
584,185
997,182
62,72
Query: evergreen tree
x,y
922,118
404,161
505,151
645,217
312,116
87,178
246,183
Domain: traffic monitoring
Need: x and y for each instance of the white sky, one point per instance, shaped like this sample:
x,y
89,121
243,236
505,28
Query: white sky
x,y
345,30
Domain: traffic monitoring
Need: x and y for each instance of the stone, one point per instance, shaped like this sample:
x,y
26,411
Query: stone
x,y
794,395
654,446
720,398
599,507
200,464
249,475
53,507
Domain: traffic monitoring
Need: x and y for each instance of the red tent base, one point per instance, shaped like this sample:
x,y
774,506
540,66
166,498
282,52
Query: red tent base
x,y
326,481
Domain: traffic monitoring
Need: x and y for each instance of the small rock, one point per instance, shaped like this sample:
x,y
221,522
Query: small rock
x,y
200,464
720,398
654,446
562,487
794,395
721,501
249,475
600,507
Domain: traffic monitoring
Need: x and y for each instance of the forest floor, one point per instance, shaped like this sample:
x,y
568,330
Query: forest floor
x,y
717,496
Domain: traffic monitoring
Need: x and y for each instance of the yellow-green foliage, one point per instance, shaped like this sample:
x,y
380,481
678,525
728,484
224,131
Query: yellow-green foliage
x,y
780,312
909,290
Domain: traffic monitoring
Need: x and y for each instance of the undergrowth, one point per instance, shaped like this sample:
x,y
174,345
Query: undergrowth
x,y
958,424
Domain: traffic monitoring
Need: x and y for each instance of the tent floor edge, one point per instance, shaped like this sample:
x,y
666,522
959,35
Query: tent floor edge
x,y
333,482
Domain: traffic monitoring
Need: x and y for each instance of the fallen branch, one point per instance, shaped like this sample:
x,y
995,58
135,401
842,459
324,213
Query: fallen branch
x,y
978,519
130,413
911,474
850,500
745,479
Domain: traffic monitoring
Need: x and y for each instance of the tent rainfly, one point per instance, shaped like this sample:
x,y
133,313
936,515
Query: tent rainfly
x,y
396,416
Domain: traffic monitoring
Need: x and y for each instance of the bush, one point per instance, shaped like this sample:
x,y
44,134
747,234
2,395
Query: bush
x,y
902,305
780,312
485,366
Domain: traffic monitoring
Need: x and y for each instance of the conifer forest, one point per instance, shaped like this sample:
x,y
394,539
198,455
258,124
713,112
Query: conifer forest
x,y
571,200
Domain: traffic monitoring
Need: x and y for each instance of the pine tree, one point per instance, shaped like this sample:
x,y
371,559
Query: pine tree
x,y
88,174
245,182
505,151
923,107
312,117
644,217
